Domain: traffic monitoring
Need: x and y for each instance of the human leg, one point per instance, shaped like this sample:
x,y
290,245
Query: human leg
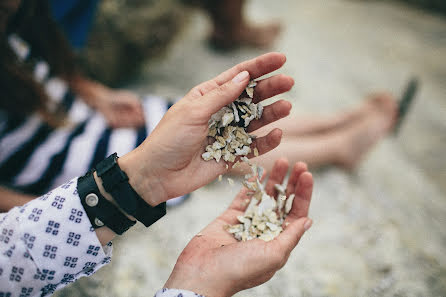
x,y
343,146
316,151
302,125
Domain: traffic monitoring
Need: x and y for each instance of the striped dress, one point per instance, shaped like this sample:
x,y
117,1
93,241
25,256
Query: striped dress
x,y
35,158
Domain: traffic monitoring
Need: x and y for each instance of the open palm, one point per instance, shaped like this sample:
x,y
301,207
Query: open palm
x,y
215,264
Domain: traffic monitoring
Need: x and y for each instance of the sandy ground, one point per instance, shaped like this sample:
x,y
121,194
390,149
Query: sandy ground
x,y
379,231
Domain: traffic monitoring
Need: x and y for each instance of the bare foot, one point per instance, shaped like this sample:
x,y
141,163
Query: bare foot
x,y
358,138
259,36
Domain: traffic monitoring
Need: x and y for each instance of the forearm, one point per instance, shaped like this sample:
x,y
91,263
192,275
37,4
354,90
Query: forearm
x,y
10,199
50,243
105,234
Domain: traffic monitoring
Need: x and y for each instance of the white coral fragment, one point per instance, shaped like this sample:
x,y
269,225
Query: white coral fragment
x,y
228,128
243,151
280,189
264,216
227,118
207,156
250,88
289,203
259,111
256,152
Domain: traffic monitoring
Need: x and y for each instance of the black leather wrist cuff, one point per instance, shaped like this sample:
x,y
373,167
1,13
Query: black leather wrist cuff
x,y
115,182
99,210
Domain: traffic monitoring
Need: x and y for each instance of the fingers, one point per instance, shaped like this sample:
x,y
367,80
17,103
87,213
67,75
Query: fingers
x,y
130,119
266,143
131,110
302,200
256,67
301,184
125,119
124,110
277,175
271,113
272,86
289,238
228,86
298,169
226,93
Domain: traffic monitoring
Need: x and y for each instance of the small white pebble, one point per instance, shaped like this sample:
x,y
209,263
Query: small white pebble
x,y
230,181
220,177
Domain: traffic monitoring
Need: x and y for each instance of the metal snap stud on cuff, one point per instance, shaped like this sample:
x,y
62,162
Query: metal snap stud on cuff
x,y
91,199
98,222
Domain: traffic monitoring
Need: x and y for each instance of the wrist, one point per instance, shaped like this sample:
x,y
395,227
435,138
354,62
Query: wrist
x,y
116,182
201,281
108,196
198,286
142,178
103,213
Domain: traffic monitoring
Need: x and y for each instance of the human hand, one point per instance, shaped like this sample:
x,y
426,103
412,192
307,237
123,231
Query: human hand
x,y
121,108
169,161
215,264
11,198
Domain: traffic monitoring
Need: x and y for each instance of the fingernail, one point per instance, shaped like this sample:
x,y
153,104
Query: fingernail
x,y
242,76
308,224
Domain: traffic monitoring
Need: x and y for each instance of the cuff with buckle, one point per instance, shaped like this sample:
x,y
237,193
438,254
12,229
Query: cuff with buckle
x,y
115,182
99,210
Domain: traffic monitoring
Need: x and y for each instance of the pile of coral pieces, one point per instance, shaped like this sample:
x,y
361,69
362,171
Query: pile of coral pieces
x,y
228,128
264,216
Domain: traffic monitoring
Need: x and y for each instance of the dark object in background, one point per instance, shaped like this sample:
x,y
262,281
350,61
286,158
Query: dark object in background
x,y
438,6
405,102
126,34
75,17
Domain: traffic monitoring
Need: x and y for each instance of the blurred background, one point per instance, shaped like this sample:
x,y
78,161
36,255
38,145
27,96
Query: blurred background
x,y
378,231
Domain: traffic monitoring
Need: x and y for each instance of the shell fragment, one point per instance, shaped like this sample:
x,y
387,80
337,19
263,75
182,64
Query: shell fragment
x,y
228,126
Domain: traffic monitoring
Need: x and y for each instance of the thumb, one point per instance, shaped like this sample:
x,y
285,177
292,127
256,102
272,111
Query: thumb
x,y
226,93
290,237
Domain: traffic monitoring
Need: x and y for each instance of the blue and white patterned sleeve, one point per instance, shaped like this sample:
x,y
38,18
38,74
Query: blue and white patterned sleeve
x,y
176,293
47,244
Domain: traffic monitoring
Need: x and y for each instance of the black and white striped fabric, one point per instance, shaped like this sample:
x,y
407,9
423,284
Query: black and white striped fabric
x,y
35,158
